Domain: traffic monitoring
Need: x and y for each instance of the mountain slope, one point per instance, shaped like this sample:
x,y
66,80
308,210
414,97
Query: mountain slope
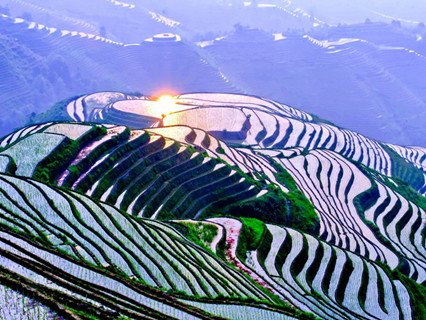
x,y
340,73
320,221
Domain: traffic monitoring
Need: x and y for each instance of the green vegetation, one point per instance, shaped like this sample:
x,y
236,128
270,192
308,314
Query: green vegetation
x,y
158,242
348,268
91,158
405,171
416,291
153,177
364,201
58,112
319,120
405,190
292,209
11,167
300,260
283,252
142,175
329,271
364,286
269,208
201,233
49,169
220,150
254,230
301,214
316,264
264,247
417,294
251,236
135,152
368,198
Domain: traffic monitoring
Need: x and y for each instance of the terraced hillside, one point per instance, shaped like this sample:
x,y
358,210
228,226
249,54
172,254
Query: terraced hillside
x,y
141,172
259,123
340,70
312,275
209,205
396,224
72,248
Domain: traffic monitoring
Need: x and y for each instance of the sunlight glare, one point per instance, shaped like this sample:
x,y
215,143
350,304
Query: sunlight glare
x,y
167,104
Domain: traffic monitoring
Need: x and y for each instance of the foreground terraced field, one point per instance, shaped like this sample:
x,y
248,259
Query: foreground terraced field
x,y
78,244
212,205
15,305
100,235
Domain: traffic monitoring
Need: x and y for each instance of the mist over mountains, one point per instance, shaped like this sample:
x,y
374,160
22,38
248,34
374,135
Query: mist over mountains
x,y
361,70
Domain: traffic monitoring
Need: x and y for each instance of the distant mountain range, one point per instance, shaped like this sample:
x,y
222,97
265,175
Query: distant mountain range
x,y
208,206
364,76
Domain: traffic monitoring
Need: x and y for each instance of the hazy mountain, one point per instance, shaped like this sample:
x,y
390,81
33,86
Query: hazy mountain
x,y
351,75
364,76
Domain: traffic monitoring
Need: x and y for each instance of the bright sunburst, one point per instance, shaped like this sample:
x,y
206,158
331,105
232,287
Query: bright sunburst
x,y
167,104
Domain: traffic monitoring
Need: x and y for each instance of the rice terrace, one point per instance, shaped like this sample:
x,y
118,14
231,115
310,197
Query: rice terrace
x,y
202,198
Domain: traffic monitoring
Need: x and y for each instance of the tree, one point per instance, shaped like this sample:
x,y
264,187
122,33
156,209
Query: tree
x,y
27,16
396,23
102,31
5,10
